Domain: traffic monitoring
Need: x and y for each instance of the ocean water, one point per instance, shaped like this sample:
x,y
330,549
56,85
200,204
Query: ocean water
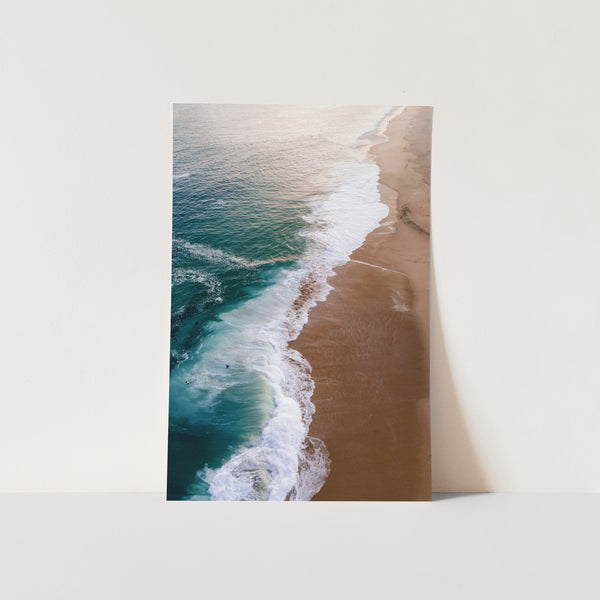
x,y
267,201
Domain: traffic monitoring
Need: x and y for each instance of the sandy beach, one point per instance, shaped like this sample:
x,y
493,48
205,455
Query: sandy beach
x,y
368,343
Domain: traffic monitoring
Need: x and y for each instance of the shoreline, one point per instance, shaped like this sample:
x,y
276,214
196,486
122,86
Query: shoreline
x,y
368,342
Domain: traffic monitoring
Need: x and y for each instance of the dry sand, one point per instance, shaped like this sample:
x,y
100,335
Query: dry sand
x,y
368,343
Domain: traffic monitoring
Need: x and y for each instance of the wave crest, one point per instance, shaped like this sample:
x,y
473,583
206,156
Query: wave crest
x,y
218,256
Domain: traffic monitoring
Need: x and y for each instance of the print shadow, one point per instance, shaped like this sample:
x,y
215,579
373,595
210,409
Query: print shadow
x,y
456,466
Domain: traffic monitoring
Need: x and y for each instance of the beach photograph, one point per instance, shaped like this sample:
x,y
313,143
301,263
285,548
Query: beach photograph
x,y
299,360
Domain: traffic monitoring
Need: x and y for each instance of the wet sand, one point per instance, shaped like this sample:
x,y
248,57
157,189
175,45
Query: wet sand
x,y
368,343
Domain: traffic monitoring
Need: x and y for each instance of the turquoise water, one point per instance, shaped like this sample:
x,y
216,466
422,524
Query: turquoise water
x,y
266,201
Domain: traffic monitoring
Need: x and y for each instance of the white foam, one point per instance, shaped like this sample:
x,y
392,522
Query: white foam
x,y
253,337
222,257
215,255
344,219
181,275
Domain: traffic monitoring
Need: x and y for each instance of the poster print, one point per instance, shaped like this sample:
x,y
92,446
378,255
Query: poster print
x,y
300,303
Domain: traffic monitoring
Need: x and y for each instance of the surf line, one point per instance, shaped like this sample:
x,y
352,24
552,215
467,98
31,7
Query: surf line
x,y
378,267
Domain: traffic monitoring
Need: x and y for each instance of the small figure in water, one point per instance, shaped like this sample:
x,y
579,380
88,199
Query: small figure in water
x,y
227,366
187,382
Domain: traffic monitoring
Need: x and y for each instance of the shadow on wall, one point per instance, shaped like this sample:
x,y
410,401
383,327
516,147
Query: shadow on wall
x,y
455,464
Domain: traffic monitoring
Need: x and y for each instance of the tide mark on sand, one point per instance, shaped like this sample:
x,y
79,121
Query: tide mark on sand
x,y
378,267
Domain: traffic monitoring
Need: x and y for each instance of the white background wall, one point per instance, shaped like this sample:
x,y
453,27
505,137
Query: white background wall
x,y
85,149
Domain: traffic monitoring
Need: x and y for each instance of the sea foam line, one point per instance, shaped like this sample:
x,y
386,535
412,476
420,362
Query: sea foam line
x,y
215,255
222,257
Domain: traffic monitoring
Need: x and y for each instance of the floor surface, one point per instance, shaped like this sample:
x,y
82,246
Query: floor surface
x,y
129,546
